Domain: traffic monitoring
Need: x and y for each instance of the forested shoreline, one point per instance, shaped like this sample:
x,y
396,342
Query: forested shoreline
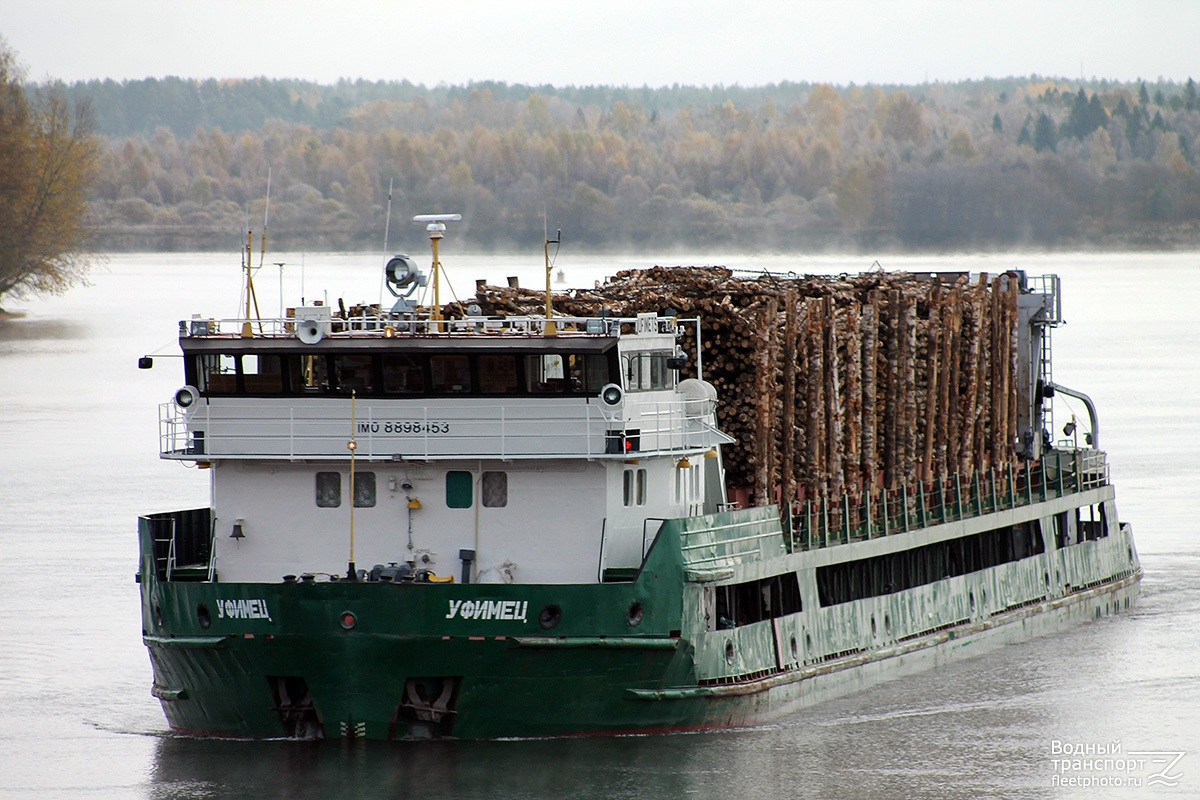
x,y
998,164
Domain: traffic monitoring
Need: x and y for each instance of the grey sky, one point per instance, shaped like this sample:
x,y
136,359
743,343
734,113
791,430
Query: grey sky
x,y
615,42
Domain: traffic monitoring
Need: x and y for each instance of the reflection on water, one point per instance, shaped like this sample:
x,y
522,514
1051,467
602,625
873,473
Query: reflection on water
x,y
78,463
17,330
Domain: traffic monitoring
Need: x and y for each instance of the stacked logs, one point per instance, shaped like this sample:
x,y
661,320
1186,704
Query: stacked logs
x,y
833,385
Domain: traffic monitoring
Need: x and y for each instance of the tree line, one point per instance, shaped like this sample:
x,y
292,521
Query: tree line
x,y
1019,162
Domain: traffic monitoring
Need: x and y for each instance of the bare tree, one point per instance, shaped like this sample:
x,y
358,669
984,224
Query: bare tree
x,y
48,161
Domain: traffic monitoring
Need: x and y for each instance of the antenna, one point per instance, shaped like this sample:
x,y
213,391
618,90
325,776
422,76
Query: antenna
x,y
550,328
387,224
387,221
262,252
436,228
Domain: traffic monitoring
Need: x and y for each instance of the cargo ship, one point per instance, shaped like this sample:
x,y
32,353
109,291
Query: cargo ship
x,y
463,522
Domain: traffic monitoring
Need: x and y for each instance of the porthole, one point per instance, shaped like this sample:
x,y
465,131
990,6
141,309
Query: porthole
x,y
549,617
729,653
795,650
873,631
158,614
634,617
202,616
971,597
887,624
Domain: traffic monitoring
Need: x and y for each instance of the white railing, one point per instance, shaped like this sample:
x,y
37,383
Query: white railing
x,y
394,430
388,325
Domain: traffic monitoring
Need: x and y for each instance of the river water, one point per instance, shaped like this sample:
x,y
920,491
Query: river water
x,y
78,464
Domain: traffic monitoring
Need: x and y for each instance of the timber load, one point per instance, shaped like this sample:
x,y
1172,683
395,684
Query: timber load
x,y
833,387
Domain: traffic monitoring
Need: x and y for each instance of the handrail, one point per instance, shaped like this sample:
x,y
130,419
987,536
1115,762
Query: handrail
x,y
388,325
826,522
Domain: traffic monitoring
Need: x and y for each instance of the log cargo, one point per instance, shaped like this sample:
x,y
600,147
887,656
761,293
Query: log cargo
x,y
833,387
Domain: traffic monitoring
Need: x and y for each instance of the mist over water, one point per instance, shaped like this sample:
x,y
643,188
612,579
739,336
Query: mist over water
x,y
79,463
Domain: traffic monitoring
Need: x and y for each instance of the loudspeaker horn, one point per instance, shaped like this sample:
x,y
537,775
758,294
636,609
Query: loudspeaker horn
x,y
309,331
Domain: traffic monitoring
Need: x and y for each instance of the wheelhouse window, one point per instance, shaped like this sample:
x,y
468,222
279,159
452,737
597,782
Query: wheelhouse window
x,y
450,374
216,373
647,371
402,374
545,374
309,373
566,373
354,374
498,374
262,374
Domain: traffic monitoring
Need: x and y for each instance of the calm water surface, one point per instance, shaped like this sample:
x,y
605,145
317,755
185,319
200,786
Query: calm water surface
x,y
78,464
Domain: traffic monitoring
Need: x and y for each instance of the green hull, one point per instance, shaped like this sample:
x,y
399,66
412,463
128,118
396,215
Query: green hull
x,y
385,660
229,658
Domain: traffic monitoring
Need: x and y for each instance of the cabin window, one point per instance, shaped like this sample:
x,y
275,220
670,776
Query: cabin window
x,y
458,489
402,374
329,489
216,373
262,374
647,371
354,374
364,489
450,374
494,489
634,487
498,375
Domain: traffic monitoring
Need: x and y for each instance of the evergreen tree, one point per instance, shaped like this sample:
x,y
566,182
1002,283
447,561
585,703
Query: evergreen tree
x,y
1044,136
1097,117
1025,137
997,124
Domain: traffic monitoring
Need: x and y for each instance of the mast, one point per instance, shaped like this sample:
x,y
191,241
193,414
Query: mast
x,y
436,228
551,329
